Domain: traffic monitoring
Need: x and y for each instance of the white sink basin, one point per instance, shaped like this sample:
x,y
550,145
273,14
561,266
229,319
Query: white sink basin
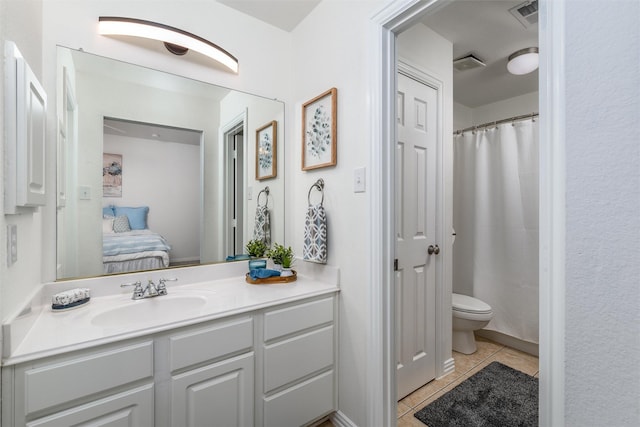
x,y
167,308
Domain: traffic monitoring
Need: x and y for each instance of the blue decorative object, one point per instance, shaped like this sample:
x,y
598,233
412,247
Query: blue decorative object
x,y
263,273
257,263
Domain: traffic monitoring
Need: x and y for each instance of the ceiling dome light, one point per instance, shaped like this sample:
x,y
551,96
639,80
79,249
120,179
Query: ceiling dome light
x,y
176,41
523,61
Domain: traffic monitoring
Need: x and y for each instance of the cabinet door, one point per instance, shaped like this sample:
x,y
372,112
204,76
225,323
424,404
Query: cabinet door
x,y
220,394
133,408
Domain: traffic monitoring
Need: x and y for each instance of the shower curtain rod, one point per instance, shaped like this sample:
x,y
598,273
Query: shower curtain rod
x,y
496,123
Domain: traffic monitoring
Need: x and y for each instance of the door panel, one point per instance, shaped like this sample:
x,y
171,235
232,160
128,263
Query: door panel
x,y
415,228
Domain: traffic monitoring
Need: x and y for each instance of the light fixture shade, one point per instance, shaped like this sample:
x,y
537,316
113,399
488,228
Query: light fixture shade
x,y
523,61
112,25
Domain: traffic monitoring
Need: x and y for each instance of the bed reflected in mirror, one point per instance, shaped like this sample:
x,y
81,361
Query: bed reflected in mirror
x,y
156,170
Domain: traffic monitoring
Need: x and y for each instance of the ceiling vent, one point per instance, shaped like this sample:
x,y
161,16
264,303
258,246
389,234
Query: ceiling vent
x,y
467,62
526,13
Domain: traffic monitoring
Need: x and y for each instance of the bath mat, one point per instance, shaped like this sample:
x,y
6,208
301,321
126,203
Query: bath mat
x,y
497,396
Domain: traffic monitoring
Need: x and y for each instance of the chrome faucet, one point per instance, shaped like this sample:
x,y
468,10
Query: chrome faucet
x,y
149,291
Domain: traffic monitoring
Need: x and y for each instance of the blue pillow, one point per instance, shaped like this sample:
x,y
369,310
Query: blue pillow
x,y
137,216
108,211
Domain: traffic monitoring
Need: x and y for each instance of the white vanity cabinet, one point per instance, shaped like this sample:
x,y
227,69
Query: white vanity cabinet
x,y
111,386
298,363
274,366
211,376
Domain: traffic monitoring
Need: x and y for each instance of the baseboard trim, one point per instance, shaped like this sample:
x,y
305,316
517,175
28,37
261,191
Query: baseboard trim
x,y
449,367
339,419
509,341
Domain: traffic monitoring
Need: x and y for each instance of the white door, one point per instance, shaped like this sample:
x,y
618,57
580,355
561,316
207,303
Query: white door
x,y
415,278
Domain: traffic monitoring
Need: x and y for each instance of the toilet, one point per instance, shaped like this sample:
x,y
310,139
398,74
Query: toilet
x,y
469,314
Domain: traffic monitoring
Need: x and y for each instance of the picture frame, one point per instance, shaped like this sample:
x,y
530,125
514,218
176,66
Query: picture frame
x,y
319,130
267,151
111,175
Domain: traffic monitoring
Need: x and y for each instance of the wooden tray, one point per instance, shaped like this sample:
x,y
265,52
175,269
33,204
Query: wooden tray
x,y
272,280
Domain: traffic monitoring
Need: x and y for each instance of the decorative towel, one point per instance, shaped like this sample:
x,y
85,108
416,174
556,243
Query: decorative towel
x,y
262,230
263,273
315,235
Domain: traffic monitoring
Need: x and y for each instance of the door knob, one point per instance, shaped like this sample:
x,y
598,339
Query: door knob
x,y
433,250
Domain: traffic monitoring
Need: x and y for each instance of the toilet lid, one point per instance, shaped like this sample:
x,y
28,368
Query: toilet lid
x,y
469,304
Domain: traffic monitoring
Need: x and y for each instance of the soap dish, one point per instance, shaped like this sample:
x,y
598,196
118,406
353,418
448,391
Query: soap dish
x,y
70,299
71,306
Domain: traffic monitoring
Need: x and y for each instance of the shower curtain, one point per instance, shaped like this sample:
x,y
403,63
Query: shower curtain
x,y
495,216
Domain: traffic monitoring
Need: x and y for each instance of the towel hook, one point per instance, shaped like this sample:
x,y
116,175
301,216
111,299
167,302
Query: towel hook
x,y
319,185
265,190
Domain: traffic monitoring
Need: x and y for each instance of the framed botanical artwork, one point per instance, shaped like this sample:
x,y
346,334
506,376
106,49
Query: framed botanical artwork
x,y
319,128
111,175
267,151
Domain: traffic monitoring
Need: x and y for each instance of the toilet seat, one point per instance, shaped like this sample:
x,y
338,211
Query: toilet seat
x,y
466,304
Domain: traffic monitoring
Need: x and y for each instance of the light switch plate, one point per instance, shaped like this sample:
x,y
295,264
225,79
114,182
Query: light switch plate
x,y
85,192
359,180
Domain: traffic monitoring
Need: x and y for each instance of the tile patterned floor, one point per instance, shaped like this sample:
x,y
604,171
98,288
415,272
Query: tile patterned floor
x,y
466,365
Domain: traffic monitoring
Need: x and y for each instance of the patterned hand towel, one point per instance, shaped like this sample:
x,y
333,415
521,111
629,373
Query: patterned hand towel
x,y
315,235
262,230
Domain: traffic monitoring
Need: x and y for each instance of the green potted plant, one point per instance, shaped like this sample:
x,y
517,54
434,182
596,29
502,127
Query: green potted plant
x,y
282,258
256,248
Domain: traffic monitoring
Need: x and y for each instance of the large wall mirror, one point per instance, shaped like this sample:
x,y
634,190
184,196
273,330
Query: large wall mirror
x,y
157,170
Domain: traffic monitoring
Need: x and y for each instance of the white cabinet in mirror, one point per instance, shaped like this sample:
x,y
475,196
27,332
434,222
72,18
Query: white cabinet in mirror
x,y
156,170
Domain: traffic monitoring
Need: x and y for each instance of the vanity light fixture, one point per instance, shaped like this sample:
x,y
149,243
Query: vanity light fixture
x,y
523,61
175,40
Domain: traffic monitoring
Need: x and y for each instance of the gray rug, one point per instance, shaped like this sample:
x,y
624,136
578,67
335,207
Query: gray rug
x,y
497,396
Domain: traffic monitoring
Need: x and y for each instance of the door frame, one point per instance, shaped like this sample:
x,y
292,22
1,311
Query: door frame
x,y
387,23
226,131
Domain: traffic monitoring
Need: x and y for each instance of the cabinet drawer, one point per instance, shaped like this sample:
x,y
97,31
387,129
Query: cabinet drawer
x,y
131,408
288,320
210,343
300,404
57,383
297,357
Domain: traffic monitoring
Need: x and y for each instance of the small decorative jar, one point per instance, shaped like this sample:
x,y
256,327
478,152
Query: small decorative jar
x,y
255,264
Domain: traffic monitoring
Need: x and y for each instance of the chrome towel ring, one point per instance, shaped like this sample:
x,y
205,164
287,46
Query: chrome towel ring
x,y
265,190
318,185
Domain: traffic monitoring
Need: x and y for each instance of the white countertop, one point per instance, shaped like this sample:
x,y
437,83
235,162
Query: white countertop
x,y
43,332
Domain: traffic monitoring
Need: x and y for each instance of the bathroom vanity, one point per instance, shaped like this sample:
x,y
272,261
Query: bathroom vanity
x,y
219,352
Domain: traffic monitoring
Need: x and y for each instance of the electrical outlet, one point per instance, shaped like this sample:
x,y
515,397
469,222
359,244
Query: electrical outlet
x,y
12,244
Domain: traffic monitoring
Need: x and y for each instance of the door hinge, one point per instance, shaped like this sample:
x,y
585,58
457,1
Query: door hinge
x,y
395,264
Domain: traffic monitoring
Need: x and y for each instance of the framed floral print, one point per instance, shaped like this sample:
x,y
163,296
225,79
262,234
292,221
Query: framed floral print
x,y
266,151
319,127
111,175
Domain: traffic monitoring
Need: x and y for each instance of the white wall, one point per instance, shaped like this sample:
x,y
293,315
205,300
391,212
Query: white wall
x,y
164,177
602,335
330,49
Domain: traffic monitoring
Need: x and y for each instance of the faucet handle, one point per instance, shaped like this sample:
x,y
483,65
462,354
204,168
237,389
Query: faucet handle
x,y
162,287
138,292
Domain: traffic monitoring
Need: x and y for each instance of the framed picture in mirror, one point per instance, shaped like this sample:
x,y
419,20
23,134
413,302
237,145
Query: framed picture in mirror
x,y
266,151
319,126
111,175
